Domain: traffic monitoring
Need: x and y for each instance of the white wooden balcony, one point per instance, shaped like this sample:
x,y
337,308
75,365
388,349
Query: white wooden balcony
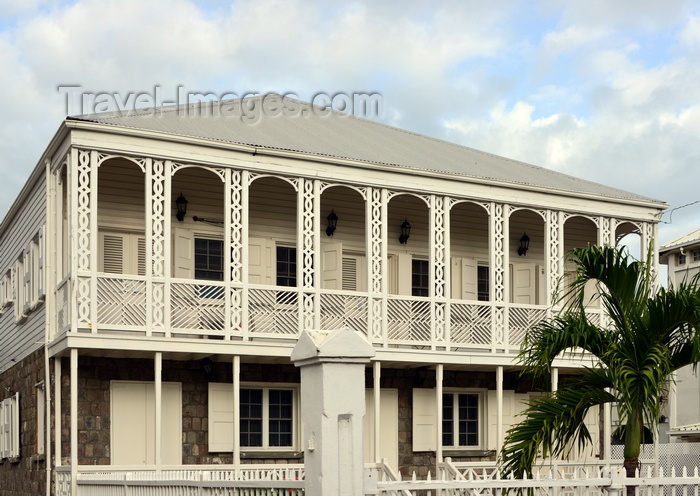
x,y
194,309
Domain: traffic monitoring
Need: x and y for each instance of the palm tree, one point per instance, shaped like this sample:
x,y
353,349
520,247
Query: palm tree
x,y
646,336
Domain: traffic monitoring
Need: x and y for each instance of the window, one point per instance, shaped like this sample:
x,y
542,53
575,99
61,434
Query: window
x,y
286,266
696,255
18,285
463,423
268,417
681,258
209,259
460,420
420,278
9,427
482,283
40,396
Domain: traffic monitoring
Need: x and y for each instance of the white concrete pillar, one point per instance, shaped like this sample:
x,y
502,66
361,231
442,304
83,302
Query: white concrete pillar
x,y
332,409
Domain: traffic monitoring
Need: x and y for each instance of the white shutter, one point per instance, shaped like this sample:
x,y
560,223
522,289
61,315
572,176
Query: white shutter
x,y
184,254
350,275
404,269
261,256
141,255
424,420
27,280
133,423
112,256
3,430
513,406
389,425
14,449
221,428
522,283
464,278
41,291
332,265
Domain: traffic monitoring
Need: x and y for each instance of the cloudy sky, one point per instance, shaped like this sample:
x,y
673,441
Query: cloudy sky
x,y
604,90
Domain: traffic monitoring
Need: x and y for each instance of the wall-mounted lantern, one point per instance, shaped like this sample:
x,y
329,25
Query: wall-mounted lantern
x,y
524,245
405,232
332,223
181,204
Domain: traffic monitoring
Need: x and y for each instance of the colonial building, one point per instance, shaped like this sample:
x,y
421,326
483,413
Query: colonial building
x,y
158,267
682,257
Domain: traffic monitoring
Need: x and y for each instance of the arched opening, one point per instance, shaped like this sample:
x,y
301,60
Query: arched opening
x,y
272,241
409,271
198,240
469,252
343,240
121,218
628,234
579,232
526,244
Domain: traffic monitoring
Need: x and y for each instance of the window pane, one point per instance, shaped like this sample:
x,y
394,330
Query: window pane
x,y
208,259
420,278
447,420
280,424
482,282
286,266
251,417
468,419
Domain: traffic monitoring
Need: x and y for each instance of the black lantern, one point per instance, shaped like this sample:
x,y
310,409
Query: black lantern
x,y
405,232
332,223
181,203
524,245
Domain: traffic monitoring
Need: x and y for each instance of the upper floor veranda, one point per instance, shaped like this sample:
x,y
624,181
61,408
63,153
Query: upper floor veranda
x,y
255,257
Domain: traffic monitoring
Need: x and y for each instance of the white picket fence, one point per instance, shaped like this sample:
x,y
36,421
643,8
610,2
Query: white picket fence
x,y
608,481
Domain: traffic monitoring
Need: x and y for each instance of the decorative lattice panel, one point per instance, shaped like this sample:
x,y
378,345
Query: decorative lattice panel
x,y
470,325
273,313
341,310
520,321
121,302
408,322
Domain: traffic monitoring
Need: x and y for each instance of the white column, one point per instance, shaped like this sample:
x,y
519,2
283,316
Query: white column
x,y
439,374
58,428
332,408
377,367
236,411
158,372
499,403
73,420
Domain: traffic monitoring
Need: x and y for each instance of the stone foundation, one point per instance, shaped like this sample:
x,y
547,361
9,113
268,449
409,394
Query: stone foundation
x,y
26,475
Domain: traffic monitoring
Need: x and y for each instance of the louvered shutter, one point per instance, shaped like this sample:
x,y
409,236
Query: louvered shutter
x,y
40,287
112,259
27,280
14,426
141,255
350,274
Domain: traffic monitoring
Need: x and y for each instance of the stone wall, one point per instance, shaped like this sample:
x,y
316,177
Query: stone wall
x,y
95,375
26,475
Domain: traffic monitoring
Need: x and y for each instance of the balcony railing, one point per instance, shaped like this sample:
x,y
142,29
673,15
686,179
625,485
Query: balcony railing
x,y
199,309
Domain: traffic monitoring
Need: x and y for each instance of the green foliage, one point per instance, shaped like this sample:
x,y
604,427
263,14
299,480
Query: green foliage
x,y
648,334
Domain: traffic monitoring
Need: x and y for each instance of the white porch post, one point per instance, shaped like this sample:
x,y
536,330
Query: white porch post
x,y
236,411
73,421
439,373
58,428
377,367
332,409
499,403
158,372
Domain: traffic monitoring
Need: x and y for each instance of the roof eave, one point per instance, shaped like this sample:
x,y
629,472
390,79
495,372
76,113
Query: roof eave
x,y
275,152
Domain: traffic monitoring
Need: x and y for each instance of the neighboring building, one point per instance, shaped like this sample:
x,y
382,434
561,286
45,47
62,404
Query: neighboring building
x,y
682,256
129,327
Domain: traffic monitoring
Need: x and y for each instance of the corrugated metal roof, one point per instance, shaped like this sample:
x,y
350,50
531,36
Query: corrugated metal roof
x,y
689,238
341,136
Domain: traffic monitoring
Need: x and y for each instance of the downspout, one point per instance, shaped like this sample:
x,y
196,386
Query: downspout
x,y
47,431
